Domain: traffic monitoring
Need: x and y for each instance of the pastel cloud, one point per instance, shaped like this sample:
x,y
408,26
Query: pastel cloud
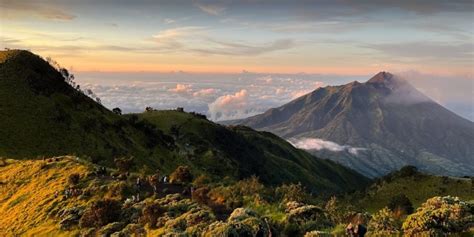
x,y
229,106
181,88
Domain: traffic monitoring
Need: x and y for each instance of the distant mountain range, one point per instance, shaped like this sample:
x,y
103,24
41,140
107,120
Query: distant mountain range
x,y
42,115
375,127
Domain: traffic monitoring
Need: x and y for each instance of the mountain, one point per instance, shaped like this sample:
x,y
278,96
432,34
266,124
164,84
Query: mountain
x,y
42,115
375,127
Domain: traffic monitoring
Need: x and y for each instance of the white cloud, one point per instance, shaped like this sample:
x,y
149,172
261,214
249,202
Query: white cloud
x,y
205,92
320,144
230,106
181,88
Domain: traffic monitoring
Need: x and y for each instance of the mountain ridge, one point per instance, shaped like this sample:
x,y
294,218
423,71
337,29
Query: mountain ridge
x,y
385,115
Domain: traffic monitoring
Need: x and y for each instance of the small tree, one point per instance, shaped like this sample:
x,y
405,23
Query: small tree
x,y
117,111
182,174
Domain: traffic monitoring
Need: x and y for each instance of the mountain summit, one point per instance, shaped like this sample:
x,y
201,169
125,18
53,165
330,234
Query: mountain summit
x,y
375,127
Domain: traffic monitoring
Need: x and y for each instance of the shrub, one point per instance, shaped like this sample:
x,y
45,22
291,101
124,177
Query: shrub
x,y
337,212
101,213
292,192
242,222
200,195
400,203
182,174
384,222
151,212
440,215
74,179
303,218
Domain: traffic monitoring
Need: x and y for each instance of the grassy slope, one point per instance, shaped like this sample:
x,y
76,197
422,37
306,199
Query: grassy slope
x,y
417,188
43,115
27,196
220,149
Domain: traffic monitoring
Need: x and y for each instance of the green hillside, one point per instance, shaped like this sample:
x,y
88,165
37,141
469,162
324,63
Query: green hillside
x,y
42,115
219,150
415,185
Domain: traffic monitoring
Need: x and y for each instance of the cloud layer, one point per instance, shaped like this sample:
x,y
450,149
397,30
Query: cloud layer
x,y
240,95
320,144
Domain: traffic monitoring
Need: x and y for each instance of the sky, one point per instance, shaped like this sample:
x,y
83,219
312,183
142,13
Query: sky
x,y
232,59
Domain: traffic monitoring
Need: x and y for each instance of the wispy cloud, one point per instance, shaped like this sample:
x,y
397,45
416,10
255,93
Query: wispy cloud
x,y
214,9
219,47
426,50
12,9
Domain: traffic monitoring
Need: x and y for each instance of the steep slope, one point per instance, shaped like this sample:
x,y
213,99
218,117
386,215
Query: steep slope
x,y
42,115
390,122
28,202
240,152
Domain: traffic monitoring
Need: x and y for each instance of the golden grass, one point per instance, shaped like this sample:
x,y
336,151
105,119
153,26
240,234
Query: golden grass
x,y
27,191
5,54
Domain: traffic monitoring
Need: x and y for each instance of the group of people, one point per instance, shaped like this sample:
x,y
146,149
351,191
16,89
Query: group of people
x,y
70,192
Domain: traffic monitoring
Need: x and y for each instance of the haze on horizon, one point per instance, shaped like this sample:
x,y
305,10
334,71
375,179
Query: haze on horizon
x,y
238,58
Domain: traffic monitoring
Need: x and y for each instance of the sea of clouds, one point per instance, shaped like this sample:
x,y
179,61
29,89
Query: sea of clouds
x,y
239,95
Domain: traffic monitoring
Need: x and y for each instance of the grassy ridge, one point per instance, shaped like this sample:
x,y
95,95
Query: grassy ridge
x,y
220,149
416,186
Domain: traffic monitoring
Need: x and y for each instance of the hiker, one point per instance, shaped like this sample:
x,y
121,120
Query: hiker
x,y
358,230
165,179
138,182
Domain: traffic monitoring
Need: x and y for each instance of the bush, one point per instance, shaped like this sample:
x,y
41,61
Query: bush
x,y
303,218
242,222
182,174
440,215
151,212
292,192
337,212
400,203
384,222
74,179
101,213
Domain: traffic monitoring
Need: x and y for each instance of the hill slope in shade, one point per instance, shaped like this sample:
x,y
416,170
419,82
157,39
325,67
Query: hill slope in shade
x,y
42,115
379,126
240,152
